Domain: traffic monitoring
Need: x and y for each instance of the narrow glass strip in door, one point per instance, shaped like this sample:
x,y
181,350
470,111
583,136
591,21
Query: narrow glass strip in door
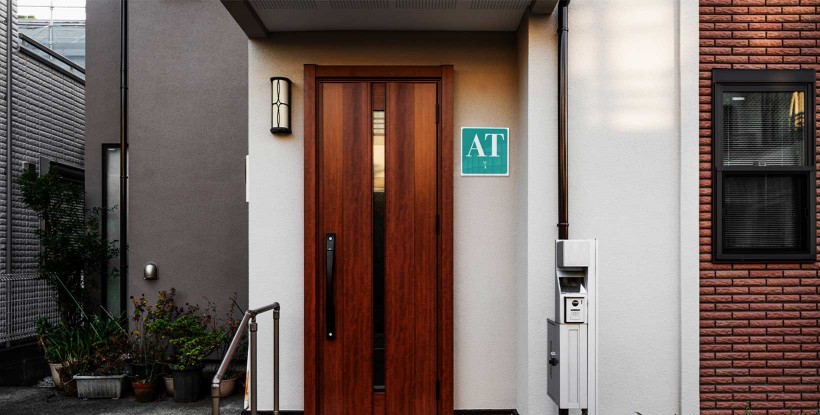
x,y
378,249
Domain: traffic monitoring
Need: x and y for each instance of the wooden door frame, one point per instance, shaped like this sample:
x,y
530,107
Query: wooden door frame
x,y
444,75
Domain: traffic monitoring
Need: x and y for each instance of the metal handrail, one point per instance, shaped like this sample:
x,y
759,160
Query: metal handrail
x,y
249,321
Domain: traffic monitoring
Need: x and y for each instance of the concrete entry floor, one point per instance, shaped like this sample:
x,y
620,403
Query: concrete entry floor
x,y
29,400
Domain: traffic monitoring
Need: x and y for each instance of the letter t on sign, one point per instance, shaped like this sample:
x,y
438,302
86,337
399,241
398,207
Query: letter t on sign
x,y
474,159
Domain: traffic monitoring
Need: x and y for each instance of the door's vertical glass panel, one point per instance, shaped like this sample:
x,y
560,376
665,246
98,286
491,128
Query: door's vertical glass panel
x,y
764,128
378,250
113,287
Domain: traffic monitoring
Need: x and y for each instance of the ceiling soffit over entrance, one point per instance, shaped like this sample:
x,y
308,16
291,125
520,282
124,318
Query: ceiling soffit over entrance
x,y
259,18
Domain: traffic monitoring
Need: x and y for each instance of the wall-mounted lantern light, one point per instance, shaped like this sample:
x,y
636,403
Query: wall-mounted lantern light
x,y
280,105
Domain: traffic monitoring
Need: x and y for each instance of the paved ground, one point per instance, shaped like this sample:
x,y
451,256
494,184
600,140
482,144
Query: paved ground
x,y
38,401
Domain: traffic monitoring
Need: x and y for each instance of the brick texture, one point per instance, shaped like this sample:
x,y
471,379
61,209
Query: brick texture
x,y
759,322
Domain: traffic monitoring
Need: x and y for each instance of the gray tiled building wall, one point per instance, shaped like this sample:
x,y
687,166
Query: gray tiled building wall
x,y
48,120
3,123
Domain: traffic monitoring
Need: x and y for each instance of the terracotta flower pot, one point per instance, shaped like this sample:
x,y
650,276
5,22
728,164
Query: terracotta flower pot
x,y
169,384
55,374
144,392
226,387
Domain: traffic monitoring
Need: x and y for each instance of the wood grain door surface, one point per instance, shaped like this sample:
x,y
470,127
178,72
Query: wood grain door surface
x,y
405,285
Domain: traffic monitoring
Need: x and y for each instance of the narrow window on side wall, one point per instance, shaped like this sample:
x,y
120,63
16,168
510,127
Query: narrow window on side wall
x,y
764,184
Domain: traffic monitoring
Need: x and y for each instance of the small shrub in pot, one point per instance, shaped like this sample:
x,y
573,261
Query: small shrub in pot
x,y
148,346
55,341
99,371
191,340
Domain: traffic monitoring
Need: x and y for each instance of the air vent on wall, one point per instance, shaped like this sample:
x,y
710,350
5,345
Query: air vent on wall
x,y
499,4
283,4
426,4
358,4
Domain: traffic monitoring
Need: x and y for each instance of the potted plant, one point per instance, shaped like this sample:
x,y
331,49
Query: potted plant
x,y
191,341
76,361
168,378
148,345
229,328
228,384
67,350
72,250
144,388
54,340
229,381
100,373
144,379
157,319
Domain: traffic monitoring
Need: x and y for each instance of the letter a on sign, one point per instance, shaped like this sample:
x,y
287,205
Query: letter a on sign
x,y
477,147
485,151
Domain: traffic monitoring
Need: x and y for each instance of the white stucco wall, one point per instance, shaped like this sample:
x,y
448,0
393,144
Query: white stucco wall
x,y
540,197
486,94
633,185
625,141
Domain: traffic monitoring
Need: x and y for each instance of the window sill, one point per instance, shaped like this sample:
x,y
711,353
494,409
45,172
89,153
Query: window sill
x,y
764,258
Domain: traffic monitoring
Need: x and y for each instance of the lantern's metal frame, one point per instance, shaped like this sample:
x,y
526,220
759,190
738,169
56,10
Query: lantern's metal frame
x,y
276,101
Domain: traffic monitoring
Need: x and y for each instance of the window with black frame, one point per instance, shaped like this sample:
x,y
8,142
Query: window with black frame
x,y
764,165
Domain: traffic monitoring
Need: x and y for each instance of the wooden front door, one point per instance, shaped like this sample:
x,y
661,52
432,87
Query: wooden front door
x,y
377,295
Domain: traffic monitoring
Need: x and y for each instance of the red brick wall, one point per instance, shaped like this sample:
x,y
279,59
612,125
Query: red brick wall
x,y
759,323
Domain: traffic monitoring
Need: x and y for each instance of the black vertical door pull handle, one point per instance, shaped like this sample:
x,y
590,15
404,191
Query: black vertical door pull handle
x,y
330,305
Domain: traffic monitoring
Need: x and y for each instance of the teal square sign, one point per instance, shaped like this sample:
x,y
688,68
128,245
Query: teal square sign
x,y
485,151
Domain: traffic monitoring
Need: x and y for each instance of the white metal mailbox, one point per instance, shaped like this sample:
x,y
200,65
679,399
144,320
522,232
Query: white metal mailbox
x,y
567,370
571,351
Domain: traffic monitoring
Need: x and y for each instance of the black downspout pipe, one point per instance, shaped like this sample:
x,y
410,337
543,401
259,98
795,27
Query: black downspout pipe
x,y
563,182
123,152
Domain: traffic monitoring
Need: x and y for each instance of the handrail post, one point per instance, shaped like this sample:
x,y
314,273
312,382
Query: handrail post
x,y
276,361
215,399
249,322
253,365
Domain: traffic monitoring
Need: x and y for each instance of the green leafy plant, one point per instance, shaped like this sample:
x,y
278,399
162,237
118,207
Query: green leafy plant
x,y
72,248
109,347
192,340
149,338
54,339
179,336
233,318
96,347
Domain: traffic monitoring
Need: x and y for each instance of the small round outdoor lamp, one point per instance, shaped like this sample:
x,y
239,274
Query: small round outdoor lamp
x,y
280,105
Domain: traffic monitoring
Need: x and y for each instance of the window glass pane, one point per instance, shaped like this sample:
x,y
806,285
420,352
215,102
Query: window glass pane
x,y
764,128
763,211
57,24
379,206
111,181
